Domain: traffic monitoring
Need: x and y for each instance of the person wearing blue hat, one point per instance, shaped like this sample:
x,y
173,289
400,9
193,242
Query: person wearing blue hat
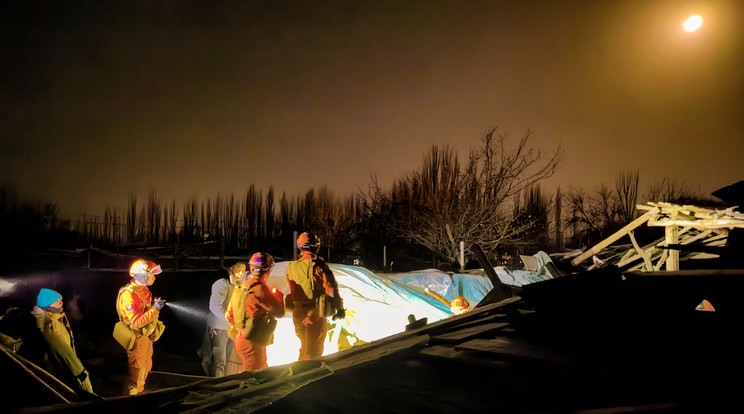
x,y
55,328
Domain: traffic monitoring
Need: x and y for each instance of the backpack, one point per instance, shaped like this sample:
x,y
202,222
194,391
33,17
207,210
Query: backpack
x,y
303,269
259,327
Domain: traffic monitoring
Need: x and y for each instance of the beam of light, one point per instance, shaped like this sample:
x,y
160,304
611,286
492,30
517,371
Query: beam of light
x,y
693,23
13,285
7,287
187,310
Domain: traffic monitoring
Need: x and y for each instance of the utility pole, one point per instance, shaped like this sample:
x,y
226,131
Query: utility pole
x,y
221,233
294,245
384,258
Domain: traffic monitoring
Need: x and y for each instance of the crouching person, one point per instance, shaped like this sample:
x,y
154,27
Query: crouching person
x,y
139,326
252,312
55,329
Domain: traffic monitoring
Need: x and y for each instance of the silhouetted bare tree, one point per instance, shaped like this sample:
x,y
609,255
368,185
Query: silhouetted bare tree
x,y
626,188
443,202
675,191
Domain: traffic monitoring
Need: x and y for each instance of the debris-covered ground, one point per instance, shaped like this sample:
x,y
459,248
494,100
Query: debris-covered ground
x,y
549,337
378,306
600,341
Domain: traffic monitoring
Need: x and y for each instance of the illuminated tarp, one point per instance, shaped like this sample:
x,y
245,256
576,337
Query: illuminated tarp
x,y
433,279
471,287
376,307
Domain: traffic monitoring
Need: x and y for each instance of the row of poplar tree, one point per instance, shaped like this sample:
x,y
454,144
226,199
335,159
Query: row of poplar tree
x,y
492,197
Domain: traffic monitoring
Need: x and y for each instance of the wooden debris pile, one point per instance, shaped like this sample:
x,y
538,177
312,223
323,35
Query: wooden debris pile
x,y
684,225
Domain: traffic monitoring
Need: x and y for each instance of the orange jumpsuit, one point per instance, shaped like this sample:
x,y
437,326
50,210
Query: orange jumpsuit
x,y
259,297
310,326
135,309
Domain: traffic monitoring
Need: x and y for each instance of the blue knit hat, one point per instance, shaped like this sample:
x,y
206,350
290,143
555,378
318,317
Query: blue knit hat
x,y
47,297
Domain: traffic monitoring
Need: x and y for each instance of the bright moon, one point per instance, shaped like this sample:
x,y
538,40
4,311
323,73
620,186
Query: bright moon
x,y
693,23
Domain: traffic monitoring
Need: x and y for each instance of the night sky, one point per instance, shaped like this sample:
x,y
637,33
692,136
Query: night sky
x,y
192,99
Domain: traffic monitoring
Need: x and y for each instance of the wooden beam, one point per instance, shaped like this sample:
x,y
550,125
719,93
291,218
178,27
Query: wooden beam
x,y
672,237
646,257
614,237
500,291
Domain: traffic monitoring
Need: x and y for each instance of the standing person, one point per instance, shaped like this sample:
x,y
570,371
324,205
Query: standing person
x,y
311,286
55,329
254,302
219,346
140,313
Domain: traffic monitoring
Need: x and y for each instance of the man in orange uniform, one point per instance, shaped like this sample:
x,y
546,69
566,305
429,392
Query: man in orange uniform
x,y
254,299
140,313
309,277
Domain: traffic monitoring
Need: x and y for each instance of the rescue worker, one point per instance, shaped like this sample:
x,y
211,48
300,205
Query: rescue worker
x,y
140,313
55,329
312,291
252,302
218,347
459,306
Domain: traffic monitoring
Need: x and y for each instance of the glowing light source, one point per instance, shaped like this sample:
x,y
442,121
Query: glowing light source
x,y
693,23
6,287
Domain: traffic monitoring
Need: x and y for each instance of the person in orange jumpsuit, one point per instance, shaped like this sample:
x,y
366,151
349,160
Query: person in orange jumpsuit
x,y
309,277
252,299
140,313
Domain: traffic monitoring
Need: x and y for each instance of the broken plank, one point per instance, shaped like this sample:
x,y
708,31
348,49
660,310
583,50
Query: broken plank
x,y
463,334
614,237
509,347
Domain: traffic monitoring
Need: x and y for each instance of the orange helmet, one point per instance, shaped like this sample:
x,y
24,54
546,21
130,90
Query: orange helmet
x,y
308,241
459,305
261,262
141,270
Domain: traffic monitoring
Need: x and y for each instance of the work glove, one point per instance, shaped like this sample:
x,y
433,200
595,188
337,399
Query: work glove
x,y
340,314
159,303
84,382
